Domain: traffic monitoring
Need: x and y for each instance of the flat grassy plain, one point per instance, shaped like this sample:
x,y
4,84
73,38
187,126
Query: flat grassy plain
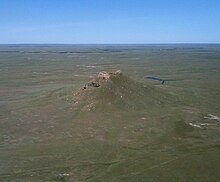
x,y
131,130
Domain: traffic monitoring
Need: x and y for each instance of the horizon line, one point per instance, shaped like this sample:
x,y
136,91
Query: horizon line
x,y
108,43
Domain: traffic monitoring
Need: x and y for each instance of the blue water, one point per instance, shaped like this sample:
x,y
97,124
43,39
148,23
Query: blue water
x,y
155,78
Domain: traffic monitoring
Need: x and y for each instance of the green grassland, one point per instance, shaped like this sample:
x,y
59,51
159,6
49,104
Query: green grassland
x,y
128,129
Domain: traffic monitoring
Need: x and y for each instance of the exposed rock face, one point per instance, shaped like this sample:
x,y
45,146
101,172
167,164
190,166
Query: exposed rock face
x,y
104,75
118,72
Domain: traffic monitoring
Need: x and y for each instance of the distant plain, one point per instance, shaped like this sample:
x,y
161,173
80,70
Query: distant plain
x,y
44,137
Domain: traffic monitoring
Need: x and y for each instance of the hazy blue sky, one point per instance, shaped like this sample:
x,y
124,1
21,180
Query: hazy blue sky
x,y
109,21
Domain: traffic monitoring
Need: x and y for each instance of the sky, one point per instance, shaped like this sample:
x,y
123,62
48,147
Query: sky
x,y
109,21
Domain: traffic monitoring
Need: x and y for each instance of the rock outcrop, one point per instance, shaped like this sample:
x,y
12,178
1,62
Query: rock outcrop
x,y
102,77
